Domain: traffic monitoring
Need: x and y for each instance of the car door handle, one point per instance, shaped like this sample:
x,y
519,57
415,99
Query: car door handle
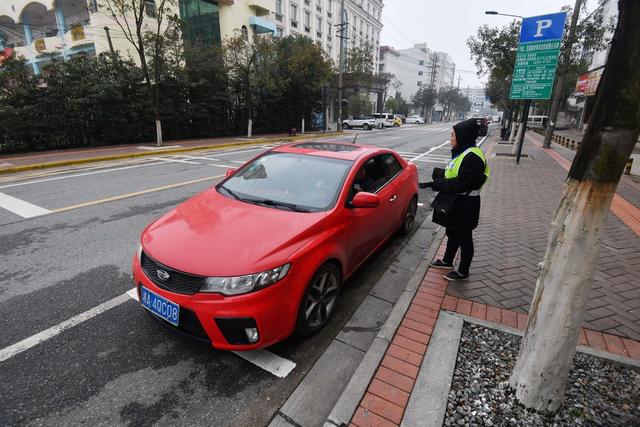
x,y
393,199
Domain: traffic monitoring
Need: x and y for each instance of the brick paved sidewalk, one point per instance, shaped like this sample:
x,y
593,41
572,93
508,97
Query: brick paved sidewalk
x,y
517,208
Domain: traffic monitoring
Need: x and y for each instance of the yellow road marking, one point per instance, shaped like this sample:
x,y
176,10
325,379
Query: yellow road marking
x,y
136,193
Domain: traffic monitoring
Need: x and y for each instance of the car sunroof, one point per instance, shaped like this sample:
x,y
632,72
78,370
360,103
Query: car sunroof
x,y
323,146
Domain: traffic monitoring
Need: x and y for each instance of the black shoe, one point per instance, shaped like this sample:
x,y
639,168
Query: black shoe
x,y
454,276
440,264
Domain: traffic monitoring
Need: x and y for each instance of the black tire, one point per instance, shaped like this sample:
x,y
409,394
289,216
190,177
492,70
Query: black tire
x,y
346,126
311,320
409,217
365,126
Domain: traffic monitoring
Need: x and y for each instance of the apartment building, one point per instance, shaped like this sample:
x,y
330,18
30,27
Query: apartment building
x,y
42,30
416,67
317,19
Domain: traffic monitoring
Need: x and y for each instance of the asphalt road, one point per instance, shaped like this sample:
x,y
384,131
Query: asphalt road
x,y
87,352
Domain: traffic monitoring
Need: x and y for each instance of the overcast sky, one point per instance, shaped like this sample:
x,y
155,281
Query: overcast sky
x,y
445,25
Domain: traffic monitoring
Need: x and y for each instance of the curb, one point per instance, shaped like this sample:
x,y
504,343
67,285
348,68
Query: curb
x,y
16,169
356,388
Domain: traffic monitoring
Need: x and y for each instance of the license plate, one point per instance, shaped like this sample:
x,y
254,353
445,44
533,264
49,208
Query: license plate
x,y
160,306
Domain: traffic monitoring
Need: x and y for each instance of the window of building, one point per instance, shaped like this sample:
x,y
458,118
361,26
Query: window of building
x,y
150,8
245,33
330,51
307,20
419,83
201,21
278,7
318,26
319,5
420,73
293,11
329,8
279,32
421,62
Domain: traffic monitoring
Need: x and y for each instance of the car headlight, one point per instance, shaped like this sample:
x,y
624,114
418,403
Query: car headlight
x,y
242,284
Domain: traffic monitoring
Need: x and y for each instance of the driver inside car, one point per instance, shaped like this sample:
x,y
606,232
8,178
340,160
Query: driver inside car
x,y
363,182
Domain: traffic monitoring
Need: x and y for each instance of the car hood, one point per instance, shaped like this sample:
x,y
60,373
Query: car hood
x,y
213,235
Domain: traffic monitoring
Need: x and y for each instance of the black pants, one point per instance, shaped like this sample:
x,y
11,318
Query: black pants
x,y
463,240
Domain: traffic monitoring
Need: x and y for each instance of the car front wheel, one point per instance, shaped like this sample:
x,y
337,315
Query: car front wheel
x,y
409,217
346,126
319,300
365,126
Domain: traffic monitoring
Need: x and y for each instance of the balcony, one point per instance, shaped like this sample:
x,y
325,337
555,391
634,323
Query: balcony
x,y
261,25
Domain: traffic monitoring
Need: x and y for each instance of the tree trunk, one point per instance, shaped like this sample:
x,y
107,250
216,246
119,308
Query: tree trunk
x,y
516,114
540,374
158,133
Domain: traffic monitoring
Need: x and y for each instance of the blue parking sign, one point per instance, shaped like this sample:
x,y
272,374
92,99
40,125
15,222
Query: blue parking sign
x,y
543,27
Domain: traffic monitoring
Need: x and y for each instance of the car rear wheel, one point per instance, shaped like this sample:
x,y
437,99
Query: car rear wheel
x,y
409,217
319,300
365,126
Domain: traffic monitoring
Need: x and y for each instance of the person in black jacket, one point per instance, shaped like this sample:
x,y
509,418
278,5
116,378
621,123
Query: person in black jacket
x,y
464,176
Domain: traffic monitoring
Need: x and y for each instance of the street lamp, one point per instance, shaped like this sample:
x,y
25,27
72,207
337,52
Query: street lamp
x,y
493,12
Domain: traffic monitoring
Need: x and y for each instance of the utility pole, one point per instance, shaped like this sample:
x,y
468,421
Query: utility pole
x,y
459,77
342,35
557,92
113,53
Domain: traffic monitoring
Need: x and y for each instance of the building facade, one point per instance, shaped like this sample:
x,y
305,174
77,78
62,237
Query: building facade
x,y
418,67
318,19
43,30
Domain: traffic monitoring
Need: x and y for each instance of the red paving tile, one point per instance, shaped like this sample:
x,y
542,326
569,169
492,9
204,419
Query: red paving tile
x,y
431,291
493,314
395,379
413,335
400,366
389,392
415,325
478,310
425,303
615,345
464,307
424,311
384,408
595,339
364,418
632,347
404,354
412,345
509,318
449,303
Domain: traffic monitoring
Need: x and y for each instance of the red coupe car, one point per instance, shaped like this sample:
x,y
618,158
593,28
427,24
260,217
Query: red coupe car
x,y
265,252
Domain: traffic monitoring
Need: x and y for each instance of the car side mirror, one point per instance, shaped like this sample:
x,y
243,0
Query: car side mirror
x,y
365,200
230,172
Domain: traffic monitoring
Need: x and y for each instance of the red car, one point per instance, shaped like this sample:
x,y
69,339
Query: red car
x,y
265,252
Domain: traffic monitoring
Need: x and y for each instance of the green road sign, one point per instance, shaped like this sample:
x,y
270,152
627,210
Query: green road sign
x,y
535,70
537,56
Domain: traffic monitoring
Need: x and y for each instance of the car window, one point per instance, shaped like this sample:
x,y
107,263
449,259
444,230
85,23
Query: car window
x,y
309,182
371,176
391,166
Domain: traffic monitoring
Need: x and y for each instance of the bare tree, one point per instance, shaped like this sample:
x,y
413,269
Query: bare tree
x,y
540,374
143,23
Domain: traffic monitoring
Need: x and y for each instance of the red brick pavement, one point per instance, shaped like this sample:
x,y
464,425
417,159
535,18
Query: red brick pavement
x,y
388,393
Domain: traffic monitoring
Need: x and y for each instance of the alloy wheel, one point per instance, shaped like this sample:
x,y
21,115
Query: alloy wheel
x,y
321,299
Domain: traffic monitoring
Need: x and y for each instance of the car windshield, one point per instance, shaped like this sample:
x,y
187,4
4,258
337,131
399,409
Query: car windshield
x,y
289,181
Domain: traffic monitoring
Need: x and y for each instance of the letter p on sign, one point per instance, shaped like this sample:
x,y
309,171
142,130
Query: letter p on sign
x,y
542,24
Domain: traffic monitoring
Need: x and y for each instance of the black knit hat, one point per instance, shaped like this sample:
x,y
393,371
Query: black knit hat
x,y
466,132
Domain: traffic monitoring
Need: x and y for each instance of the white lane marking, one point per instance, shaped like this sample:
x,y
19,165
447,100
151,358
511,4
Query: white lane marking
x,y
272,363
20,207
276,365
43,336
164,147
420,204
226,153
133,293
397,137
221,166
195,158
430,150
168,159
37,181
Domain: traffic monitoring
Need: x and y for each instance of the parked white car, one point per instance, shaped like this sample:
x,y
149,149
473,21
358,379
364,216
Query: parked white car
x,y
384,120
364,122
415,120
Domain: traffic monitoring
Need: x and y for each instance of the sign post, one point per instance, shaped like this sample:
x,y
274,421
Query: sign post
x,y
536,61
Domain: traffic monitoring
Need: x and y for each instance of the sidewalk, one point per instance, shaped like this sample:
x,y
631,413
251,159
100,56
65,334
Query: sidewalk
x,y
518,205
53,158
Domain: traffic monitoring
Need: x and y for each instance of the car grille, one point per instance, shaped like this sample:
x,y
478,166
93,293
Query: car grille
x,y
178,282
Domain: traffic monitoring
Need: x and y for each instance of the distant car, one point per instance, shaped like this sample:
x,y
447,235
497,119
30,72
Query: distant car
x,y
484,125
364,122
384,120
265,252
415,120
